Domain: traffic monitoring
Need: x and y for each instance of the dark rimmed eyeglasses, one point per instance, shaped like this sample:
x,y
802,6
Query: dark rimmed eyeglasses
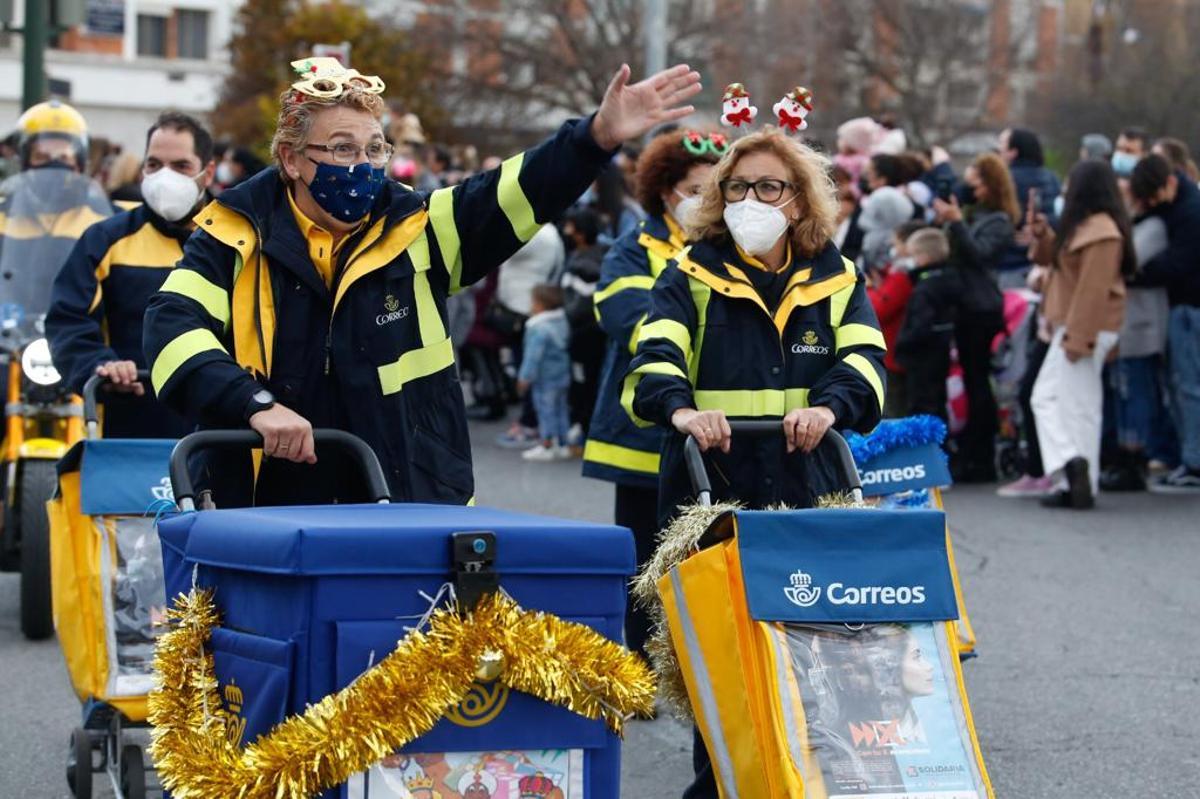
x,y
768,190
347,153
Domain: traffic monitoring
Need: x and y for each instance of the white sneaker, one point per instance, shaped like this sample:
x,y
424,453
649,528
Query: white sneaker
x,y
575,435
541,454
563,453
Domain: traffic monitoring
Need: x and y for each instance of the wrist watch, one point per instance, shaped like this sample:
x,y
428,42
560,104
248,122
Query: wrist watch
x,y
262,400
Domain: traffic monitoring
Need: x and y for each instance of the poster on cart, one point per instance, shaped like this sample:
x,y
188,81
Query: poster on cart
x,y
544,774
883,717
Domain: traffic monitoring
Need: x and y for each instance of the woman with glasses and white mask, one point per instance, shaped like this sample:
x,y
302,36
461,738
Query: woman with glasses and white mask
x,y
763,319
314,294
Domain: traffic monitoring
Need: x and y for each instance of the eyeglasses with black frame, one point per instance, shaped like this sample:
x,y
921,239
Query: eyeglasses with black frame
x,y
767,190
347,153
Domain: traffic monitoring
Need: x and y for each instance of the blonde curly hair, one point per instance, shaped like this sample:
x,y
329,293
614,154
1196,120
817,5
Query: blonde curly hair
x,y
816,194
297,111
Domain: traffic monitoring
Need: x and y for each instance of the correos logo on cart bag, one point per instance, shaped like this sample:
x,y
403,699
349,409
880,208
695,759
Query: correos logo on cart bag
x,y
803,593
898,474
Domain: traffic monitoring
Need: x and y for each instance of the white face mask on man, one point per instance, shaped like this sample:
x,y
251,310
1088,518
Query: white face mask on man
x,y
755,225
170,194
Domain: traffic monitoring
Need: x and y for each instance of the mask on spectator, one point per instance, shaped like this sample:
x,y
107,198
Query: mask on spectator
x,y
1123,163
687,206
346,192
754,225
1059,202
170,194
905,264
967,194
225,174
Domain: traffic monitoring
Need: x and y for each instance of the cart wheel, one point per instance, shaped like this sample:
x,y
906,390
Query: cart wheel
x,y
38,480
133,772
79,764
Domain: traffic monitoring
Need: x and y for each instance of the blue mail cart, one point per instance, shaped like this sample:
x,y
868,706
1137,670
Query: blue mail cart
x,y
310,597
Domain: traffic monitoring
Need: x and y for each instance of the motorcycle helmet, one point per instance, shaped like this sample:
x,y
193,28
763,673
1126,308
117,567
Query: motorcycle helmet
x,y
52,119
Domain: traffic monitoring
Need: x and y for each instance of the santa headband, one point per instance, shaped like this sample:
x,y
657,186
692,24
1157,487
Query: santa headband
x,y
790,111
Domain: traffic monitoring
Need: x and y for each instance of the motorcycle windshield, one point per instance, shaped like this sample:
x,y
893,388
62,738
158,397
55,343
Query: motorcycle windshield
x,y
44,212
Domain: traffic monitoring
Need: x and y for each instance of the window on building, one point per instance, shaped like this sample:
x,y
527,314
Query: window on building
x,y
152,35
192,32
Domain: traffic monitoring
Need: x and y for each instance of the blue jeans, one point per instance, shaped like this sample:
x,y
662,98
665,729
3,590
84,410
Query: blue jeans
x,y
1183,348
1139,404
553,415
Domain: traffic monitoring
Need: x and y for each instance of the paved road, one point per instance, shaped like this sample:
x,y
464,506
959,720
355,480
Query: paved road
x,y
1086,687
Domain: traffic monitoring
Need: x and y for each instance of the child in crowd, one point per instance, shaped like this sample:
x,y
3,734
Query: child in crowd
x,y
546,372
888,292
925,337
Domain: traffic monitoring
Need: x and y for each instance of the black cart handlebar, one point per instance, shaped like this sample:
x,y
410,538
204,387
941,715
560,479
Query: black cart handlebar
x,y
185,492
702,486
91,416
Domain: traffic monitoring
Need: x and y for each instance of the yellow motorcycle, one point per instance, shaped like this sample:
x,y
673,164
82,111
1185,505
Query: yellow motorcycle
x,y
41,209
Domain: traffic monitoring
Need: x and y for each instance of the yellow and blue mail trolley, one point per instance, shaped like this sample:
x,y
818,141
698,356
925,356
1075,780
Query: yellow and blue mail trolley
x,y
311,597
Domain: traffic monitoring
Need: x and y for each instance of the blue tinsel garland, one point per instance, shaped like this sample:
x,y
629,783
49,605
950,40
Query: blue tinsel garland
x,y
893,434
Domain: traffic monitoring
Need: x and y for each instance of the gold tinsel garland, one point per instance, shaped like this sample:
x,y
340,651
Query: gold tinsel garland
x,y
388,706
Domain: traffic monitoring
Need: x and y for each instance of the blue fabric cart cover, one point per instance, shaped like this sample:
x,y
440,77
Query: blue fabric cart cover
x,y
125,476
846,566
906,469
390,539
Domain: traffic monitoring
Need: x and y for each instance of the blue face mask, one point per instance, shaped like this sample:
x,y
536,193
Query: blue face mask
x,y
346,192
1123,163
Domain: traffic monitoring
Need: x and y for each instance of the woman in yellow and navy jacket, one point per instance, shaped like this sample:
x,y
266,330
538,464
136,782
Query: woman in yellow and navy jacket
x,y
671,174
314,294
762,319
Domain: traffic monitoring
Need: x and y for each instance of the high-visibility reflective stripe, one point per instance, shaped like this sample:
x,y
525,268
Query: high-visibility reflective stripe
x,y
635,377
856,335
416,364
838,303
637,332
864,367
752,402
615,455
718,747
471,502
179,351
513,201
198,288
658,264
701,294
429,320
672,331
441,216
620,284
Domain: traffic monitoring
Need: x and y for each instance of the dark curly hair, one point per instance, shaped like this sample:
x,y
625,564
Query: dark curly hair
x,y
664,163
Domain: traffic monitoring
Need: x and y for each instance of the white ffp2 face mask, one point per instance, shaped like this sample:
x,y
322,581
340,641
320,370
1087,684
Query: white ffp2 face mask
x,y
754,225
685,208
170,194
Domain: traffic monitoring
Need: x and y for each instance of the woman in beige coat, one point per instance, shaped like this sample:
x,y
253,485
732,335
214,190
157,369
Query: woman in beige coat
x,y
1090,257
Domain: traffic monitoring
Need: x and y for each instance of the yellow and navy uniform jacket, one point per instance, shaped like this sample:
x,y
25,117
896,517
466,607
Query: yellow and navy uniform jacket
x,y
712,343
96,308
247,308
617,450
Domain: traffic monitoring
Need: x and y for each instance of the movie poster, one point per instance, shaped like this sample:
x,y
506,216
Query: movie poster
x,y
542,774
883,713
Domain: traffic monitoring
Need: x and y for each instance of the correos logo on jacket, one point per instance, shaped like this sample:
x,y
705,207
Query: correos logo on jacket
x,y
803,593
394,311
810,344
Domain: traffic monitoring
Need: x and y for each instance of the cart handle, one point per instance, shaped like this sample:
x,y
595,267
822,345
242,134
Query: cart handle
x,y
90,389
185,492
699,475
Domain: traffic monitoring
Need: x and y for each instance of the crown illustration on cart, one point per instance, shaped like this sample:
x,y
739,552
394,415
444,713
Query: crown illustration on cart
x,y
537,786
790,112
419,782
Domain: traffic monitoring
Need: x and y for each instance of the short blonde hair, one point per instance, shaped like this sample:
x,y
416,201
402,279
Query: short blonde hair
x,y
298,110
929,242
816,193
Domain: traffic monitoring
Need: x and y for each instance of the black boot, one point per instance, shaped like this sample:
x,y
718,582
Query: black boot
x,y
1127,474
1078,494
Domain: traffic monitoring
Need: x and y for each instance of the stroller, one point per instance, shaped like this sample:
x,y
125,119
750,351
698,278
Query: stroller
x,y
107,593
816,649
